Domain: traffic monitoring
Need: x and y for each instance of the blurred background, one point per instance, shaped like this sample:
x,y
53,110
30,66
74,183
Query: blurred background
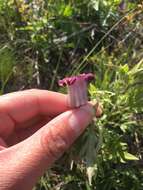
x,y
42,41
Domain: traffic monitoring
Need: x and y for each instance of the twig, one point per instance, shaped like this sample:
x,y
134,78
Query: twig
x,y
37,70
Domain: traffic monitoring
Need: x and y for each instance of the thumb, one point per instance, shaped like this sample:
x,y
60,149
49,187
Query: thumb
x,y
52,140
34,155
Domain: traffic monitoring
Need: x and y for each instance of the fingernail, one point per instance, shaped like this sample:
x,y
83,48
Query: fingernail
x,y
80,118
98,109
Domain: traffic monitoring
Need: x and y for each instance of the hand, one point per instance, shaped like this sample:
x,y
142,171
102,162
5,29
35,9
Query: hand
x,y
36,127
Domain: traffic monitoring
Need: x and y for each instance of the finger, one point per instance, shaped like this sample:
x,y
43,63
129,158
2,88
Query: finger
x,y
6,125
21,106
26,131
99,110
3,144
38,152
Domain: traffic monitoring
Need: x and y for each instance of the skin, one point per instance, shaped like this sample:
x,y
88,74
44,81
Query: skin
x,y
36,128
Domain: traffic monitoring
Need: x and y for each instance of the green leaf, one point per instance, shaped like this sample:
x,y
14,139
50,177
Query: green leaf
x,y
124,68
95,4
123,127
129,156
92,89
68,11
7,62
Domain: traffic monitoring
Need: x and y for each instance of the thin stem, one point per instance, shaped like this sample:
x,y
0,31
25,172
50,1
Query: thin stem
x,y
56,70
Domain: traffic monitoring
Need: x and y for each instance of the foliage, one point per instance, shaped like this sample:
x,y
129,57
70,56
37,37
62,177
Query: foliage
x,y
42,41
7,62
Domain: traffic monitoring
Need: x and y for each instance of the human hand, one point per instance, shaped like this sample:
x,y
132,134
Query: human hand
x,y
36,127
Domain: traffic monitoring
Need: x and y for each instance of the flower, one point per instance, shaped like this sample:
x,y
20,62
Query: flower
x,y
77,88
122,6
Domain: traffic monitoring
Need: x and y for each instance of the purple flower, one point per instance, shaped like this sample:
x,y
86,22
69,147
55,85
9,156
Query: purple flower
x,y
77,88
122,5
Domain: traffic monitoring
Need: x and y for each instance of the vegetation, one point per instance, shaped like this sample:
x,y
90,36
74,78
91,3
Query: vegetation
x,y
42,41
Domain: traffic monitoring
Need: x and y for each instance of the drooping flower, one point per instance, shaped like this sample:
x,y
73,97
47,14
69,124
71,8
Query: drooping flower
x,y
77,88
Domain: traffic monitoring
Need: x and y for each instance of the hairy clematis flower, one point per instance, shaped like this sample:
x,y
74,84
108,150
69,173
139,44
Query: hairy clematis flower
x,y
77,88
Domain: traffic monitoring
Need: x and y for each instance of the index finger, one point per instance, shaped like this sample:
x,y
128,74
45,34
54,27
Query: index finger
x,y
24,105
